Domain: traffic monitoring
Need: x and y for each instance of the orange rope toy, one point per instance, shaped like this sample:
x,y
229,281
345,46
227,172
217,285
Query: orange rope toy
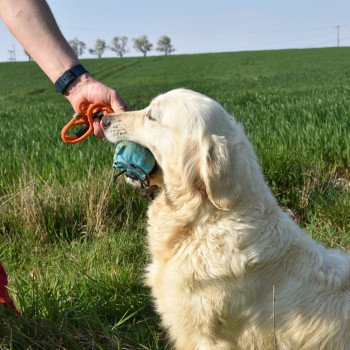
x,y
86,114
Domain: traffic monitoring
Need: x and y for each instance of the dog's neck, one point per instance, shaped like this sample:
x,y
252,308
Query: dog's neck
x,y
188,202
191,204
171,218
176,214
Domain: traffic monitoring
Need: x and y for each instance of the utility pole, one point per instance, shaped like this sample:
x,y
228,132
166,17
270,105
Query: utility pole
x,y
12,54
338,27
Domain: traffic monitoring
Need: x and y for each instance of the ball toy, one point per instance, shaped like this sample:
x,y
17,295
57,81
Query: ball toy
x,y
133,160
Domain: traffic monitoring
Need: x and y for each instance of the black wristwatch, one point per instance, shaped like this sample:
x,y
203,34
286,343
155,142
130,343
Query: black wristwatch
x,y
68,77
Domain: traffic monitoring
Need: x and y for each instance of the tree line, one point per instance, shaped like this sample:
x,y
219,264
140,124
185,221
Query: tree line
x,y
119,44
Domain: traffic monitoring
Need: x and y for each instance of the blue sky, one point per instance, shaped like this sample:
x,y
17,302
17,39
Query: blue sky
x,y
197,26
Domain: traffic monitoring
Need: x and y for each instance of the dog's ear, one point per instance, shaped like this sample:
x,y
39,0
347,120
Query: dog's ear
x,y
218,173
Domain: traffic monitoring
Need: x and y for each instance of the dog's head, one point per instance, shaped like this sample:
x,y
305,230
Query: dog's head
x,y
198,146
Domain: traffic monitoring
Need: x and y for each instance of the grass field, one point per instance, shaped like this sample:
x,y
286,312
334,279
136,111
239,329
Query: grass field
x,y
73,241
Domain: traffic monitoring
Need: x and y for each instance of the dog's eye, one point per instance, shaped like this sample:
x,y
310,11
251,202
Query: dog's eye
x,y
149,115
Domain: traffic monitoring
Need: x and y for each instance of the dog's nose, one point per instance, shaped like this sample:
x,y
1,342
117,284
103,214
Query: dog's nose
x,y
106,121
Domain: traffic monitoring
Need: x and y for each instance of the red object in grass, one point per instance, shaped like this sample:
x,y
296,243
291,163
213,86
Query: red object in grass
x,y
5,298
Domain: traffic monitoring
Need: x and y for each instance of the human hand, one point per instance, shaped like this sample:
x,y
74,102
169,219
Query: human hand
x,y
87,88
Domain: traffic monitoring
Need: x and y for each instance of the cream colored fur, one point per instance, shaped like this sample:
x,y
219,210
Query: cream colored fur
x,y
219,242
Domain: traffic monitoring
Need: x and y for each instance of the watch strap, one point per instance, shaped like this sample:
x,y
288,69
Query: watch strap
x,y
68,77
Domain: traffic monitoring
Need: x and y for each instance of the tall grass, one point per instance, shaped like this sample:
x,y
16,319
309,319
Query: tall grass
x,y
73,240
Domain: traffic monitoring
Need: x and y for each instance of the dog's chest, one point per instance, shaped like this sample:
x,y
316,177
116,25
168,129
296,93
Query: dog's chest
x,y
191,251
177,235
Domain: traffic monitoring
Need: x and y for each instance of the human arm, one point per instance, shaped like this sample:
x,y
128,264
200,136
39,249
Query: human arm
x,y
33,25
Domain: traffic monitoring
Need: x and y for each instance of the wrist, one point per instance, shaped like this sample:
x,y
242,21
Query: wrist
x,y
76,86
54,69
68,77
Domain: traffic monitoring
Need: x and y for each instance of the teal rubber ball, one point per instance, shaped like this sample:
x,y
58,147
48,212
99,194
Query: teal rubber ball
x,y
134,159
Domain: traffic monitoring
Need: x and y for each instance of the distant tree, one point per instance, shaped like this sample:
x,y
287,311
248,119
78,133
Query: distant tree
x,y
118,45
164,45
142,44
77,46
100,47
29,56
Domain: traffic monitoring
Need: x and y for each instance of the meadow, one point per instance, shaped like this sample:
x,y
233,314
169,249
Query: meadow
x,y
73,240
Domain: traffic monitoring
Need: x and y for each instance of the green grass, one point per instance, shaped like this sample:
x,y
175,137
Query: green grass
x,y
73,241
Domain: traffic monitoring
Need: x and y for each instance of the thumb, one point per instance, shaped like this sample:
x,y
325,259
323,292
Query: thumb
x,y
117,103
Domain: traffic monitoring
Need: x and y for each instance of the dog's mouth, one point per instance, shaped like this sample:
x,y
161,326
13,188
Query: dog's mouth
x,y
133,160
148,185
136,181
138,166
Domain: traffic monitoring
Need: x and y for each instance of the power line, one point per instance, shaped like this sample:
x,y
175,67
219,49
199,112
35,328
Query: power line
x,y
109,30
293,40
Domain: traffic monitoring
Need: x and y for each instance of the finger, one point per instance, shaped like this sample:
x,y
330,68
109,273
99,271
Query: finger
x,y
118,104
98,131
119,109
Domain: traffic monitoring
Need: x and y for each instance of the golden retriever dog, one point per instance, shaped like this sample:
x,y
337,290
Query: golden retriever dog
x,y
229,268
